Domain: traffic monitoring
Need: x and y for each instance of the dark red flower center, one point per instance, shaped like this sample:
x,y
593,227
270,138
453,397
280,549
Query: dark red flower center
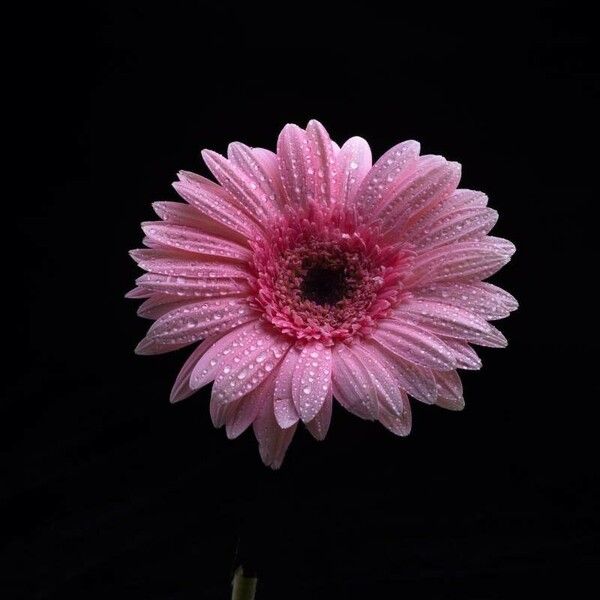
x,y
324,283
321,280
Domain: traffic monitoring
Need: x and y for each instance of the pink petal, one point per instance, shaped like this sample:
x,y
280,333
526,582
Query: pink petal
x,y
483,299
261,170
433,180
251,363
138,293
321,151
270,165
465,356
273,441
352,164
502,296
249,195
463,198
285,410
293,154
463,261
193,322
413,343
243,412
387,173
391,398
206,287
190,239
311,380
160,304
450,321
181,388
352,386
239,414
444,206
319,426
413,379
223,349
399,425
459,226
149,347
154,244
450,390
214,202
179,213
177,264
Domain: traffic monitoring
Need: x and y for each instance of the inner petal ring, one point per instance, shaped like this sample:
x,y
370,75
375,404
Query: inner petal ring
x,y
319,282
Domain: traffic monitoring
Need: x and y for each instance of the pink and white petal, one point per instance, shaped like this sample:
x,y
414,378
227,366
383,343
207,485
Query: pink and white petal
x,y
224,349
179,213
399,425
450,390
431,182
387,173
413,379
459,200
323,163
188,324
413,343
246,368
217,204
238,414
218,412
293,154
160,304
181,388
466,357
352,165
285,410
243,188
463,198
319,426
311,380
175,263
450,321
463,261
270,165
266,179
389,394
458,226
138,293
243,412
189,239
484,300
273,441
352,386
205,288
153,244
150,347
508,300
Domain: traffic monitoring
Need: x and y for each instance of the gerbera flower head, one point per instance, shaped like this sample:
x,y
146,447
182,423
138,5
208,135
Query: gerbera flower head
x,y
310,276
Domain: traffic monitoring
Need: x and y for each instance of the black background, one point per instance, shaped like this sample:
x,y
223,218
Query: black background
x,y
113,492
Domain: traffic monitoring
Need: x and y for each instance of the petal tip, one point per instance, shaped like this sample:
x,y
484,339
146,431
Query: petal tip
x,y
144,348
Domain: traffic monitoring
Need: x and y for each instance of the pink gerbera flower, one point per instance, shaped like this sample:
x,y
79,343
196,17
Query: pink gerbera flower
x,y
312,275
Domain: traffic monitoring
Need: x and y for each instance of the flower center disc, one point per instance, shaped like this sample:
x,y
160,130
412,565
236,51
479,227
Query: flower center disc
x,y
321,281
324,284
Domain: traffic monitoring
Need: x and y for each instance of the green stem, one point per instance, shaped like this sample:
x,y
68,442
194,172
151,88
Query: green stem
x,y
244,587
